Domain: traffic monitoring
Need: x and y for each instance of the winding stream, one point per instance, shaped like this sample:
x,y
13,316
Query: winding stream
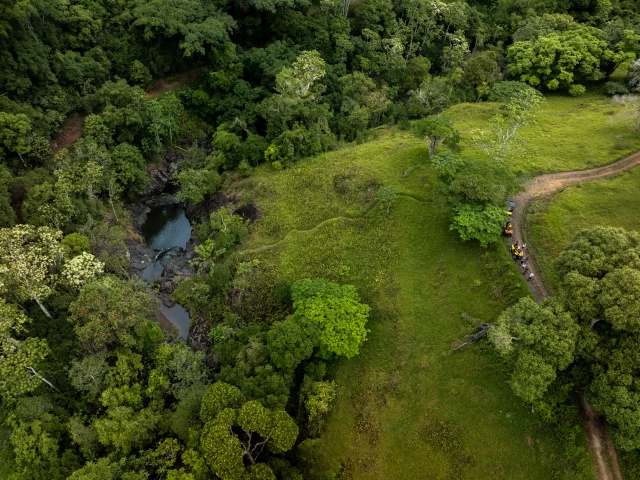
x,y
167,230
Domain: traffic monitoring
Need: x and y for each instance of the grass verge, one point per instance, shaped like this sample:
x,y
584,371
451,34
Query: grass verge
x,y
554,221
569,134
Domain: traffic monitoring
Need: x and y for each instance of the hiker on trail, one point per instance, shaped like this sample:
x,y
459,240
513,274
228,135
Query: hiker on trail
x,y
531,275
524,245
524,268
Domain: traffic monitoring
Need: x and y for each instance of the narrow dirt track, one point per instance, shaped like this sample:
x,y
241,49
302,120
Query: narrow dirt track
x,y
71,132
602,450
169,84
72,128
552,183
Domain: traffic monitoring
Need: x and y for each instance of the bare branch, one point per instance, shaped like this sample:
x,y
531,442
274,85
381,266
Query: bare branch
x,y
37,375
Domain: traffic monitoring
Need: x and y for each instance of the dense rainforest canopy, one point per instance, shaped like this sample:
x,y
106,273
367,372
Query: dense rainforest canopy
x,y
90,386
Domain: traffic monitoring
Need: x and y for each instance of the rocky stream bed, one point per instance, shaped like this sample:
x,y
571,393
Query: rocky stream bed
x,y
163,258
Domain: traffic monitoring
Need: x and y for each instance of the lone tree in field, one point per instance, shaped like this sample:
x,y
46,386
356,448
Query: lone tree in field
x,y
329,318
437,130
336,311
478,191
521,107
631,105
478,222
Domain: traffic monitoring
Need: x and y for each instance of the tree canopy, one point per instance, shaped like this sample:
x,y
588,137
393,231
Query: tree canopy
x,y
589,331
106,105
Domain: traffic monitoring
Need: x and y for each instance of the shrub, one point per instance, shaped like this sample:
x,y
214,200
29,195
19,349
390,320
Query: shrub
x,y
75,244
615,88
634,76
577,90
404,123
244,168
622,143
139,74
503,92
196,184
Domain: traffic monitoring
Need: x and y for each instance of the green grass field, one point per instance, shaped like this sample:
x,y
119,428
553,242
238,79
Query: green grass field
x,y
408,406
610,202
569,134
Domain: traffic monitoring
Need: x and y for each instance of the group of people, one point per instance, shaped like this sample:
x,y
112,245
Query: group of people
x,y
518,253
508,229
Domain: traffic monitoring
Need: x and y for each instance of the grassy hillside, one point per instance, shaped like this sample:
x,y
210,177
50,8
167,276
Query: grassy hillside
x,y
569,134
610,202
408,406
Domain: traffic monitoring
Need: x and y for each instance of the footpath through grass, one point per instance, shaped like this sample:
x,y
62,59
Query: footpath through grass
x,y
569,134
608,202
408,407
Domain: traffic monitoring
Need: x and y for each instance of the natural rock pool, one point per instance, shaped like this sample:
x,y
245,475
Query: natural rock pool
x,y
166,231
166,226
179,317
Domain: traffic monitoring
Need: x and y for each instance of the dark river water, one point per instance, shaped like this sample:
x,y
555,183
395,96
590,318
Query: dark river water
x,y
178,316
164,228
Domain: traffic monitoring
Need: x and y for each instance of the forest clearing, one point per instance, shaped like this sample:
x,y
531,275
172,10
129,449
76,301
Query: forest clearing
x,y
408,383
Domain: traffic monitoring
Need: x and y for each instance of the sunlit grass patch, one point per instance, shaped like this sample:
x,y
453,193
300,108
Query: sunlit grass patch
x,y
408,407
569,134
609,202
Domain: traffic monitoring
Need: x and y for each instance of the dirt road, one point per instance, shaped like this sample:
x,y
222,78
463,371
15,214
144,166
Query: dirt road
x,y
552,183
169,84
71,132
602,450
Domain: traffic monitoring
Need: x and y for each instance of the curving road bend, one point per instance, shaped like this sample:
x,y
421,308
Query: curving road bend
x,y
551,183
602,450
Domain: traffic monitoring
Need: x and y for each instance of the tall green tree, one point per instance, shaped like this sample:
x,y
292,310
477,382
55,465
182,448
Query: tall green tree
x,y
21,359
591,329
110,312
29,259
297,96
336,311
521,107
479,222
13,134
436,130
224,450
540,340
198,24
558,59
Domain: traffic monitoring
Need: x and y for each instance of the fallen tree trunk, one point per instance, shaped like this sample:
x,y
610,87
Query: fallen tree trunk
x,y
482,327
